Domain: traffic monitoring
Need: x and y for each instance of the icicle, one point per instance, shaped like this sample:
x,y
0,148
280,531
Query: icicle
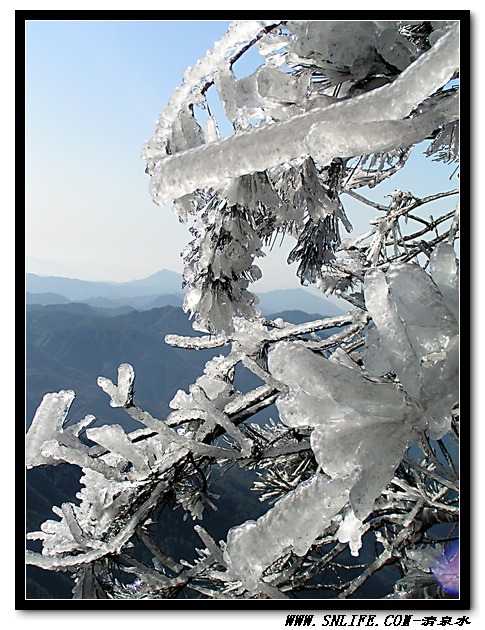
x,y
351,530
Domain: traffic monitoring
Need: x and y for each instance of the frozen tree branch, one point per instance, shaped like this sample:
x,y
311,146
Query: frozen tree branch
x,y
235,156
361,450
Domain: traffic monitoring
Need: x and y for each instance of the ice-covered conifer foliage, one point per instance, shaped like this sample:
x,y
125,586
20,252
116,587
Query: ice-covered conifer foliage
x,y
358,463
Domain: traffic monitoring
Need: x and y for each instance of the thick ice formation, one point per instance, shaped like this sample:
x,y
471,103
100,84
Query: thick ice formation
x,y
361,430
121,395
48,420
291,525
418,330
361,427
268,146
326,139
322,391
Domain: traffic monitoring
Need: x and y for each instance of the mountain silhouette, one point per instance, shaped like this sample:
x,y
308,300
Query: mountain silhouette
x,y
163,288
159,283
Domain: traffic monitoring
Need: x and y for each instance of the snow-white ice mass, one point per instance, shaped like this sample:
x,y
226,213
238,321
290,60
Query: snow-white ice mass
x,y
358,458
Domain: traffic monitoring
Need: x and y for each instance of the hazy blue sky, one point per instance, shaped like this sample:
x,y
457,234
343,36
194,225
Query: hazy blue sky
x,y
94,90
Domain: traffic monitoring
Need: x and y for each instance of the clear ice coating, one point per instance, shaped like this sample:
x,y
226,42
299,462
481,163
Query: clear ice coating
x,y
283,171
49,419
361,428
418,330
291,525
375,360
269,145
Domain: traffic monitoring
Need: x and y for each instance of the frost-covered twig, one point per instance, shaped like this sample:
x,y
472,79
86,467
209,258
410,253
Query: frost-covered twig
x,y
196,343
310,127
288,140
197,79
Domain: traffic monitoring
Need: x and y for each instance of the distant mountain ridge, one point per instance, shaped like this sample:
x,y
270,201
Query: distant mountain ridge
x,y
296,299
116,305
163,288
162,282
43,299
69,345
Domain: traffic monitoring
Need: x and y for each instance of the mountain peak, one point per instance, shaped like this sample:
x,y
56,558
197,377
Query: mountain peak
x,y
297,299
145,291
160,283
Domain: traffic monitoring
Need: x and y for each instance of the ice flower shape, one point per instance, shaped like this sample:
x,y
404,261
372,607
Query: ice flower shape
x,y
416,315
361,427
446,569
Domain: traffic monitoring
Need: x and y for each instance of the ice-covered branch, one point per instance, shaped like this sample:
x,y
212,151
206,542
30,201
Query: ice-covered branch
x,y
197,343
327,139
334,106
296,330
212,164
113,546
255,545
197,79
48,422
122,394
